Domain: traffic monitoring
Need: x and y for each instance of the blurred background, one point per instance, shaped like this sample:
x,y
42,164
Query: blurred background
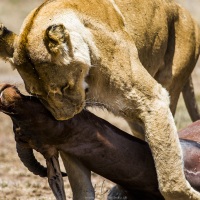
x,y
15,181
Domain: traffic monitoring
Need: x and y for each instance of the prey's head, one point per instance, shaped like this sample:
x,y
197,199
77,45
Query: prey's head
x,y
10,99
15,104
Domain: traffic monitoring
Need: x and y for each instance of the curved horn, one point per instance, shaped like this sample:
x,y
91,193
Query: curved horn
x,y
28,159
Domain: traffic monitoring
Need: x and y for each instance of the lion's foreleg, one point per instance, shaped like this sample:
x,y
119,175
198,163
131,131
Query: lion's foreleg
x,y
149,103
79,178
161,134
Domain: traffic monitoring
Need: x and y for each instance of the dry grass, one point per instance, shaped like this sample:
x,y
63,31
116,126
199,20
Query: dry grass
x,y
16,182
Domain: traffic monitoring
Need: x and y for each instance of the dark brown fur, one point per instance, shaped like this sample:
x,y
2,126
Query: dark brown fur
x,y
98,145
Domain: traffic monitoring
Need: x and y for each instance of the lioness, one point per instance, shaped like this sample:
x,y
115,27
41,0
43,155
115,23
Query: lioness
x,y
118,54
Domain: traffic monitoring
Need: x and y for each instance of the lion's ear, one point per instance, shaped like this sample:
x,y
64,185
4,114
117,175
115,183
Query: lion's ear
x,y
6,42
57,42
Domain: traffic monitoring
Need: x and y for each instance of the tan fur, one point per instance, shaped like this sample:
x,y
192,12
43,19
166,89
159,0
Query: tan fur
x,y
127,52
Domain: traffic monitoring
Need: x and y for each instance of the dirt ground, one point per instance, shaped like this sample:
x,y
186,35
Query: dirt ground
x,y
16,182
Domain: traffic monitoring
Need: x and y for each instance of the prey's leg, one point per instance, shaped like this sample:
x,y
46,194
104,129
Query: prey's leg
x,y
79,178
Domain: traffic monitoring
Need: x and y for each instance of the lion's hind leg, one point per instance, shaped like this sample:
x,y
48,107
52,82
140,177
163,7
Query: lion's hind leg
x,y
190,100
181,56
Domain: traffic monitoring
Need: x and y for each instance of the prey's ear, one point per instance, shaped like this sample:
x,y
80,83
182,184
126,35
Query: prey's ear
x,y
57,42
6,42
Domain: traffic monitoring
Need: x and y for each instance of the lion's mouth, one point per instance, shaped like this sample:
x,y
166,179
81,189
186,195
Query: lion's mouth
x,y
63,112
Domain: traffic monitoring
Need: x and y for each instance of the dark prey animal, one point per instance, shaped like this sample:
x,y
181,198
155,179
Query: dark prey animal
x,y
25,148
133,57
88,143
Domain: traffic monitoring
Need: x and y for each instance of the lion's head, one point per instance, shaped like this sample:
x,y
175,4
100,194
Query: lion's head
x,y
53,61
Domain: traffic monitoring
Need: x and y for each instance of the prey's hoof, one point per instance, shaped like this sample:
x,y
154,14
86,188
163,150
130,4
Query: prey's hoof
x,y
117,193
